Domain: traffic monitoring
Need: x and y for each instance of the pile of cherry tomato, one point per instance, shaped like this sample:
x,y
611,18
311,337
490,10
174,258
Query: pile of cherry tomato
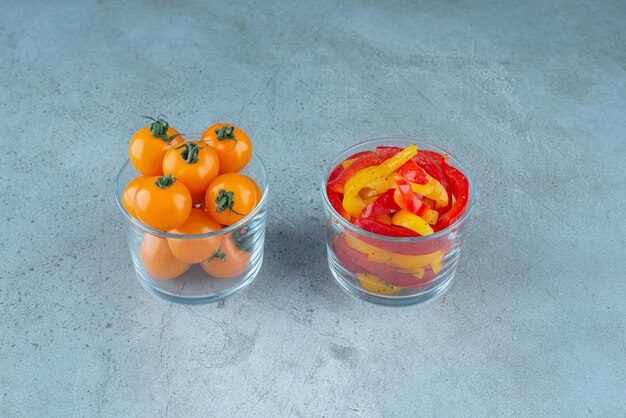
x,y
189,188
400,193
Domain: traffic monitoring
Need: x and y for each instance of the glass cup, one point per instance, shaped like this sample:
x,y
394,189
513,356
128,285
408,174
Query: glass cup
x,y
391,270
198,273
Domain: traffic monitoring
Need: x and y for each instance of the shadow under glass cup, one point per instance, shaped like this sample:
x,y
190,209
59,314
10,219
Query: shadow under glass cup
x,y
197,282
391,270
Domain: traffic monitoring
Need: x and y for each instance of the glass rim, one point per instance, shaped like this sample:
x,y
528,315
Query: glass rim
x,y
231,228
424,238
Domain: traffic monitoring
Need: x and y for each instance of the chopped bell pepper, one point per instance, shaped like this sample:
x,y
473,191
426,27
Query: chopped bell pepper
x,y
402,261
335,200
411,221
347,163
358,262
385,219
460,189
380,228
430,216
365,176
367,160
430,165
433,190
374,284
405,198
413,172
383,205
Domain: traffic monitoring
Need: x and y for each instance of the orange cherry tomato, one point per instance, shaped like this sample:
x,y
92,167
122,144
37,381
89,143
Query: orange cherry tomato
x,y
158,260
259,193
195,250
149,145
128,197
162,203
232,145
230,197
229,261
195,165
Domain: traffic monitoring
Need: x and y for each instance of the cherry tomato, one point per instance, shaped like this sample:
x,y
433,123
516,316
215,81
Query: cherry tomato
x,y
195,165
162,203
128,197
229,261
158,260
230,197
149,145
195,250
259,193
232,145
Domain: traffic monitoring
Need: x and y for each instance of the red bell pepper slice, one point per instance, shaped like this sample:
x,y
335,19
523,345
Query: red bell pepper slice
x,y
459,186
438,158
425,159
430,165
334,174
413,172
380,228
383,205
386,153
336,199
365,161
406,198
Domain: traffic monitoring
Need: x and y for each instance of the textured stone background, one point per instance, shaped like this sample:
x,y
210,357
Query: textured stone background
x,y
530,95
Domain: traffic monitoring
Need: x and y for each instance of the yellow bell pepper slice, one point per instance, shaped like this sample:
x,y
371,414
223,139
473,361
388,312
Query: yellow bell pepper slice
x,y
431,216
412,222
352,202
403,261
375,285
433,190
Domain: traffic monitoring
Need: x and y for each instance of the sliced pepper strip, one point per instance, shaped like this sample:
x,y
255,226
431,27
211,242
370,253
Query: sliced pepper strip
x,y
405,198
433,190
380,228
352,203
413,172
374,284
335,201
347,163
403,261
367,160
383,205
459,186
357,262
412,222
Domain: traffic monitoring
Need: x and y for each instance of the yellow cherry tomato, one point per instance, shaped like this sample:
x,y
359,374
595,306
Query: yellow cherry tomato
x,y
158,260
128,197
195,250
229,261
149,145
162,203
193,164
230,198
232,145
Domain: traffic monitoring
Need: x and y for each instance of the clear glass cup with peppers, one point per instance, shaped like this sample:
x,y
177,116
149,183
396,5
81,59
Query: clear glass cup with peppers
x,y
395,214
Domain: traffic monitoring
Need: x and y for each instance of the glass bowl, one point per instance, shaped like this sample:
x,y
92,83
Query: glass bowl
x,y
205,282
414,269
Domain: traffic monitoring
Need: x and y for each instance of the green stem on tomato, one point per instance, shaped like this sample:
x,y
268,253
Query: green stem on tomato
x,y
225,201
165,181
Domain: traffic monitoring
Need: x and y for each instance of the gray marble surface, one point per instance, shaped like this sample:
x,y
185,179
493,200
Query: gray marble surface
x,y
530,95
